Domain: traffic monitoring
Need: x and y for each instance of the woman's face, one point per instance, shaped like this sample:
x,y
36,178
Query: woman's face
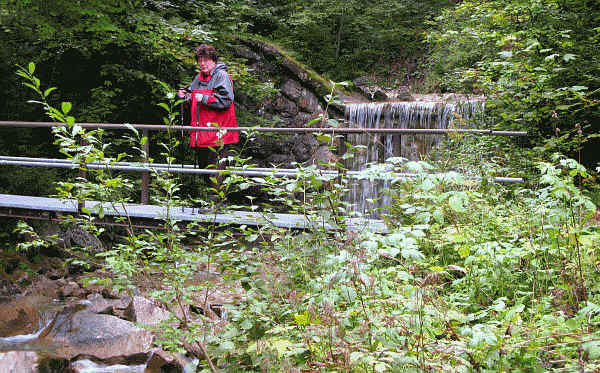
x,y
206,65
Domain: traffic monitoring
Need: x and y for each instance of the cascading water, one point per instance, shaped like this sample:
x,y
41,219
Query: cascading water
x,y
410,115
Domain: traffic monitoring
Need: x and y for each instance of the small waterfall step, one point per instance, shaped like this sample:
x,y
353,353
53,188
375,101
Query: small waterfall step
x,y
405,115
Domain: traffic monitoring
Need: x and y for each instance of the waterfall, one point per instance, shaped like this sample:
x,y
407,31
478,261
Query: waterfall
x,y
411,115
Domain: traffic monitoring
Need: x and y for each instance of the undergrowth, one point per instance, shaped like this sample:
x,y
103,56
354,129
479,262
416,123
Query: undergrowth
x,y
472,275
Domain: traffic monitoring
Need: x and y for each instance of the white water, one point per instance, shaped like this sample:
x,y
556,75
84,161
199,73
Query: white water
x,y
410,115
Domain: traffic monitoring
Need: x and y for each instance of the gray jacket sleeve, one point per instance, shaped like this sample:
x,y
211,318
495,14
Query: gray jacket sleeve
x,y
222,92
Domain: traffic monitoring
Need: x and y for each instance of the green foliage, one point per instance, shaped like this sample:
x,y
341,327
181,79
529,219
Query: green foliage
x,y
345,39
536,61
472,275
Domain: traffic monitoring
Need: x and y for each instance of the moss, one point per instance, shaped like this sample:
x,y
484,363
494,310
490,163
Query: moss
x,y
320,84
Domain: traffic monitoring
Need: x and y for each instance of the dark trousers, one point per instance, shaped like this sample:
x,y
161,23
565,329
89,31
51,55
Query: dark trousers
x,y
209,158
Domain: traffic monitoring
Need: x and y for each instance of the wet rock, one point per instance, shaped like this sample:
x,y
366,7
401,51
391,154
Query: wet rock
x,y
21,315
304,147
107,306
110,293
19,362
43,286
87,366
323,155
71,289
161,361
102,336
302,119
380,95
145,311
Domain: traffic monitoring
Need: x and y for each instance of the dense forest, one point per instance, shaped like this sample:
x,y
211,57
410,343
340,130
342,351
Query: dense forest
x,y
471,275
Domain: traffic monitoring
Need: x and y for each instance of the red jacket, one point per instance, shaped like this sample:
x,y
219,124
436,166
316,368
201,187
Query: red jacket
x,y
215,109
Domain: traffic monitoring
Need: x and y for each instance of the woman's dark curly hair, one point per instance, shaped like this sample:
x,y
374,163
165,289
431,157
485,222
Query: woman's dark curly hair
x,y
205,50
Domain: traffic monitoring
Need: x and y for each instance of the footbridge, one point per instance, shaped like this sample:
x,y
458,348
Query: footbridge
x,y
148,215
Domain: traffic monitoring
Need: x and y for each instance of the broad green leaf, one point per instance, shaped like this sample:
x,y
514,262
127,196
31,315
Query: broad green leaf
x,y
164,106
66,107
48,91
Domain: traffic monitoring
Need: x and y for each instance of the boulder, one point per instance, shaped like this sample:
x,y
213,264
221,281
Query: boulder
x,y
145,311
87,333
99,304
71,289
161,361
19,362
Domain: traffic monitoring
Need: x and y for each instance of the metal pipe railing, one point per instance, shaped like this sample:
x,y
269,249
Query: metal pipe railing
x,y
162,127
190,169
146,128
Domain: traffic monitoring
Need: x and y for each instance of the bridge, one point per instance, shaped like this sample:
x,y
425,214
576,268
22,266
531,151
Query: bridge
x,y
147,215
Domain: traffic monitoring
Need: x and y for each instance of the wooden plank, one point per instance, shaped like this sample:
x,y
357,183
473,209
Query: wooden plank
x,y
191,214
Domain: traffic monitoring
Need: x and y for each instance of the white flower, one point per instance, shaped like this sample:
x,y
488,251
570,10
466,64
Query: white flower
x,y
170,95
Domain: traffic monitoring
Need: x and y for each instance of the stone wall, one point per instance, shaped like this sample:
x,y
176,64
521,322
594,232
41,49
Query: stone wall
x,y
300,99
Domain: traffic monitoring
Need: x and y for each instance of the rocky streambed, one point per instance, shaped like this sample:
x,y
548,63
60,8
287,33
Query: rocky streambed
x,y
55,324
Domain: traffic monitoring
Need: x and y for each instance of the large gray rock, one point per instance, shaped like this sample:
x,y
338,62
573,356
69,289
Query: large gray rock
x,y
99,304
145,311
19,362
88,333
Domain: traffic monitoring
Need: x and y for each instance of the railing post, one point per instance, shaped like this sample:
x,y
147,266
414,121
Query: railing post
x,y
82,175
145,174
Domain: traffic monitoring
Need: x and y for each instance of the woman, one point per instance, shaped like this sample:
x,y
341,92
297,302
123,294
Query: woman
x,y
210,98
